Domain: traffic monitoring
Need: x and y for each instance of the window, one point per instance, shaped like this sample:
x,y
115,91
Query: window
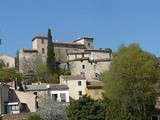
x,y
79,83
89,44
83,55
83,74
15,107
35,93
155,117
83,66
98,76
80,93
63,97
54,97
42,41
43,51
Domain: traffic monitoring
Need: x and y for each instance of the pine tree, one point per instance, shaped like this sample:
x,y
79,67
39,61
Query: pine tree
x,y
51,64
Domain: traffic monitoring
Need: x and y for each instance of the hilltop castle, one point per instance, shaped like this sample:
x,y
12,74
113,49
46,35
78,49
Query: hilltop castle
x,y
79,56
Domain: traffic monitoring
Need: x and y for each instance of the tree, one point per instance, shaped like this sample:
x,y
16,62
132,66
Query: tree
x,y
41,72
51,64
1,64
34,116
29,65
130,84
86,109
9,75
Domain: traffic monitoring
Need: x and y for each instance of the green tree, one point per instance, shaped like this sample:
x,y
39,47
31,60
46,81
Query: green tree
x,y
130,84
9,75
34,117
1,64
51,64
86,109
43,74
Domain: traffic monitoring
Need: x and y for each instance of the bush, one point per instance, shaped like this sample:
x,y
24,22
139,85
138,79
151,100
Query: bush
x,y
34,117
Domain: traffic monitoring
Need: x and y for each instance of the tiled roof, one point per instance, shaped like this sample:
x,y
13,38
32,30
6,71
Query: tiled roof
x,y
29,50
71,77
40,37
45,87
99,50
79,52
4,85
87,38
12,96
58,87
41,87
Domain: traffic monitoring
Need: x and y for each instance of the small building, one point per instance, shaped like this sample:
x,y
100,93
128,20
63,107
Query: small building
x,y
9,102
58,93
76,84
9,61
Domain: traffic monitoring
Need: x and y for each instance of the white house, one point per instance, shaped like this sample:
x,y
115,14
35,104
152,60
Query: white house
x,y
59,93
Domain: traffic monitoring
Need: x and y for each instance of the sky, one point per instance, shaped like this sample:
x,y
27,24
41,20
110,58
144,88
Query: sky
x,y
110,22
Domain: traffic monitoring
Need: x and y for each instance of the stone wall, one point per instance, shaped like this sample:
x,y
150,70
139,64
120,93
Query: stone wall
x,y
61,48
8,61
91,65
22,116
28,59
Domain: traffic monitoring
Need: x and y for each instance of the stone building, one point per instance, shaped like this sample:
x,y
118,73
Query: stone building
x,y
27,60
39,51
90,63
79,57
57,92
64,52
76,84
9,61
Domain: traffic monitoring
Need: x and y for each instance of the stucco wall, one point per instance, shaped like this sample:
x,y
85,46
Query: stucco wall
x,y
58,92
74,88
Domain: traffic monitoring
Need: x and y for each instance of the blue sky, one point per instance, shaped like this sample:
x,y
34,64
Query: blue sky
x,y
110,22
